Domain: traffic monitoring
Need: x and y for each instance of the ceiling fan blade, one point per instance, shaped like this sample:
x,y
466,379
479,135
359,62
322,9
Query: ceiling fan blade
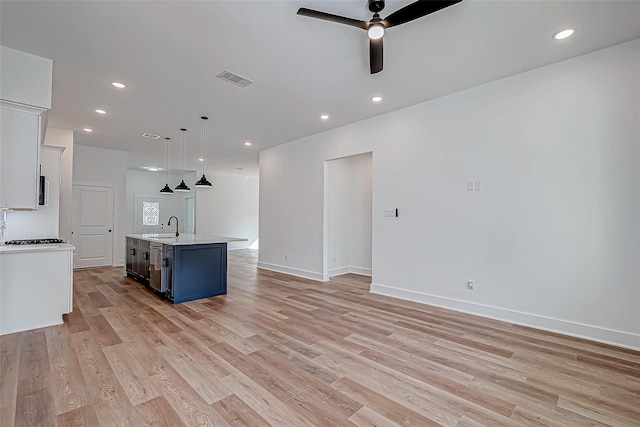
x,y
375,55
416,10
333,18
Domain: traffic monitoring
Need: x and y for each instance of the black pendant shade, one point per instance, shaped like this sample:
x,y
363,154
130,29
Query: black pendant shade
x,y
166,188
204,182
182,186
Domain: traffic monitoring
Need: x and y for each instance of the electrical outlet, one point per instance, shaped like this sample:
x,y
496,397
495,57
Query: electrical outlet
x,y
286,257
389,213
471,285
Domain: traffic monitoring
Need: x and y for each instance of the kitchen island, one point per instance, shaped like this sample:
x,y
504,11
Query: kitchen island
x,y
182,268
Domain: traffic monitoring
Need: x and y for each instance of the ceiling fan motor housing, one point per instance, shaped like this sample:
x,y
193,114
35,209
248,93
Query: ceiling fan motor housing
x,y
376,6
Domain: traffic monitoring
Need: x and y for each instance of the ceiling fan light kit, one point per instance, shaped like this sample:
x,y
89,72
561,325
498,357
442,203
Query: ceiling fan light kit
x,y
376,27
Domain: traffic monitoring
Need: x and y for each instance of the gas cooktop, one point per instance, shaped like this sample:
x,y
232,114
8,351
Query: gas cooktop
x,y
34,242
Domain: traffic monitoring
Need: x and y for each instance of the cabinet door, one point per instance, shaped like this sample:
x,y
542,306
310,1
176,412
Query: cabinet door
x,y
131,255
19,158
143,261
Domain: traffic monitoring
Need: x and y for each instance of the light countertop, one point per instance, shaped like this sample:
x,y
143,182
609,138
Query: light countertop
x,y
8,249
185,238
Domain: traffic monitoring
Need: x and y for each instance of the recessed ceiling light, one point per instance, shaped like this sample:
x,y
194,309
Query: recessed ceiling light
x,y
153,169
240,169
376,98
247,143
118,85
561,35
99,111
87,130
201,159
324,116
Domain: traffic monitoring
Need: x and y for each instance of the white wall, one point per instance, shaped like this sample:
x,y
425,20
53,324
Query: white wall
x,y
349,215
148,184
105,168
229,208
63,138
552,239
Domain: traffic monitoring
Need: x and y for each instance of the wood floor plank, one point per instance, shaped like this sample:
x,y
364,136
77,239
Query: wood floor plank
x,y
70,388
35,404
237,413
84,416
10,346
285,351
103,332
98,299
157,412
135,382
365,417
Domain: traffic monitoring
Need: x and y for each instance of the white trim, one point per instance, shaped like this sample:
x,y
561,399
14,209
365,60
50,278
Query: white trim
x,y
566,327
294,271
350,269
363,271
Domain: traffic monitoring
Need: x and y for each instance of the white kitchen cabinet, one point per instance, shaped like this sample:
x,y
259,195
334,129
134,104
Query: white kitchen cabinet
x,y
36,286
21,132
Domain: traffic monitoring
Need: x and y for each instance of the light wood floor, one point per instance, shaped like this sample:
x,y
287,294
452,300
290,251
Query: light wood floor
x,y
283,351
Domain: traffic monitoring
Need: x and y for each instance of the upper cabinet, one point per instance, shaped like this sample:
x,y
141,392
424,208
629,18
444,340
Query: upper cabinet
x,y
25,97
25,78
19,156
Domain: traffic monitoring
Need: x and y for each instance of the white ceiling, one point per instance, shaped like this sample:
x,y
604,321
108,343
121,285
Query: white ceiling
x,y
169,52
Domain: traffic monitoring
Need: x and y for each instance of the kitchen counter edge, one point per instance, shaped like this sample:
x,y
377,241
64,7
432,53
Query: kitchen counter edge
x,y
185,239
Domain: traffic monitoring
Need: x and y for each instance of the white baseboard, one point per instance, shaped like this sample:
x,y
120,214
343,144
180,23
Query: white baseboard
x,y
350,269
566,327
294,271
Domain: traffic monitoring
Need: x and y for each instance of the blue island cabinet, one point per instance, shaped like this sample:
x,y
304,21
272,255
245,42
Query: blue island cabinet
x,y
198,271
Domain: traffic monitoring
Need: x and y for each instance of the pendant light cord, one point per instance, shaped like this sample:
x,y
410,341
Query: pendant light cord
x,y
167,174
204,142
183,132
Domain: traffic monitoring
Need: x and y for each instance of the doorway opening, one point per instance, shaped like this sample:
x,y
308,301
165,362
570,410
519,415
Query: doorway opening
x,y
348,216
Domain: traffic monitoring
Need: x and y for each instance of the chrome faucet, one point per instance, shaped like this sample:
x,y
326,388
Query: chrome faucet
x,y
169,223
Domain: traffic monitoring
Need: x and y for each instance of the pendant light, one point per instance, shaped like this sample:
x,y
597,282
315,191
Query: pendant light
x,y
166,188
204,182
182,187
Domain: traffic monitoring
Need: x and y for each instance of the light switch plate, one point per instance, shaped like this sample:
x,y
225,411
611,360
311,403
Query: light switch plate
x,y
390,213
478,185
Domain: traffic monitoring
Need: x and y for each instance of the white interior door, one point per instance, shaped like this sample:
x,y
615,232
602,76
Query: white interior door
x,y
150,214
92,226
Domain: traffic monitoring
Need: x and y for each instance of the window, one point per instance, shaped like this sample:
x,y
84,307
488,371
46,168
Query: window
x,y
150,213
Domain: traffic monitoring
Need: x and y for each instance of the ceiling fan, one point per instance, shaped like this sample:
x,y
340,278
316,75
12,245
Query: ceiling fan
x,y
376,26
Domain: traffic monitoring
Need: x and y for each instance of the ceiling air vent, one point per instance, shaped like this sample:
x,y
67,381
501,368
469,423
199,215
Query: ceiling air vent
x,y
150,135
234,78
